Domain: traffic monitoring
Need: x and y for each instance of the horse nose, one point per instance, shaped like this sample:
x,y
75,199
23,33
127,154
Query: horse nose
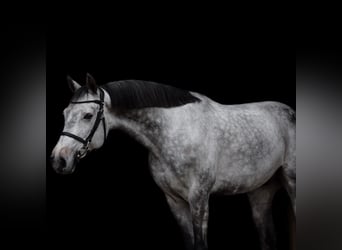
x,y
59,163
61,159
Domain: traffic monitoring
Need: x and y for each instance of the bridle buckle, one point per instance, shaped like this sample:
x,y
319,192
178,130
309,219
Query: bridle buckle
x,y
84,150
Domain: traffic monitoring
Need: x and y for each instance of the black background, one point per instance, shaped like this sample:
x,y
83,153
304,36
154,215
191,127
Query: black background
x,y
111,199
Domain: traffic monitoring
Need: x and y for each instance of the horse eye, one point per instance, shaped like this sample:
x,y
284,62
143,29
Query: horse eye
x,y
88,116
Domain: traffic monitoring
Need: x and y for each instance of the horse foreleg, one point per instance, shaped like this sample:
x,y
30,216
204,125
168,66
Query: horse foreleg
x,y
199,206
181,212
261,204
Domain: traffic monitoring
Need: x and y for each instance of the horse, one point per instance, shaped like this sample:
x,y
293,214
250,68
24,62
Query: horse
x,y
197,147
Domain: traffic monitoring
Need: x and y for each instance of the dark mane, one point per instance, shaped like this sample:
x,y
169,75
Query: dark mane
x,y
135,94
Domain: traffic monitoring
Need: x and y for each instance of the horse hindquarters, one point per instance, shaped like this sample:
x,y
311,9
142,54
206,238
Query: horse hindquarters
x,y
287,121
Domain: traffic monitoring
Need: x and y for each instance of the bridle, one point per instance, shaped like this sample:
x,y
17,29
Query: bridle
x,y
99,117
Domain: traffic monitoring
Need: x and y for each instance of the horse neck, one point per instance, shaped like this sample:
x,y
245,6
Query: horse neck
x,y
145,125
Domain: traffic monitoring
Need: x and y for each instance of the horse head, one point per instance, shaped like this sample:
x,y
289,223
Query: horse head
x,y
82,131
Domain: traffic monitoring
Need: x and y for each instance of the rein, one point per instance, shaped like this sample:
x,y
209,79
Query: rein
x,y
99,117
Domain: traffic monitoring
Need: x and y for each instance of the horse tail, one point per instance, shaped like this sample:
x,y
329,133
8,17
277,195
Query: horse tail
x,y
286,118
292,228
290,117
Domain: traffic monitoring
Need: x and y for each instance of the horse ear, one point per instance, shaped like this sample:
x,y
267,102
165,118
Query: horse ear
x,y
91,83
73,85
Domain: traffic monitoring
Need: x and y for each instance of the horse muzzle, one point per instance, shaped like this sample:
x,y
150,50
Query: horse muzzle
x,y
64,165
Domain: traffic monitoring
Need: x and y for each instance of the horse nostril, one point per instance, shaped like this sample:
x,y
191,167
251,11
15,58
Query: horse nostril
x,y
62,162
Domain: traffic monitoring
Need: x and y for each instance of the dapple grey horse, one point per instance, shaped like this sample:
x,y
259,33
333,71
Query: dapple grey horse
x,y
197,147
